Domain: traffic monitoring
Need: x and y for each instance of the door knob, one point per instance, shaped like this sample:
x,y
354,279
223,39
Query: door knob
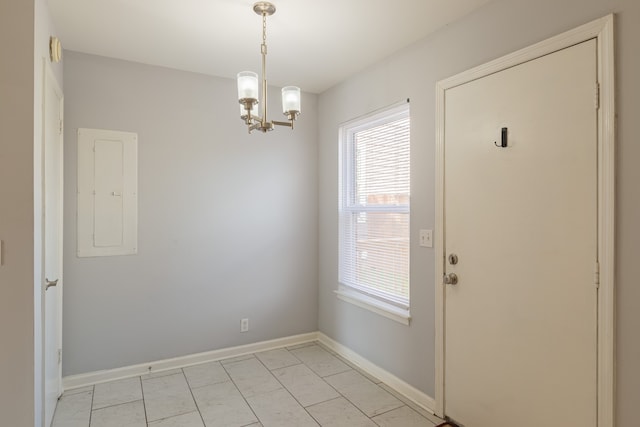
x,y
451,279
50,283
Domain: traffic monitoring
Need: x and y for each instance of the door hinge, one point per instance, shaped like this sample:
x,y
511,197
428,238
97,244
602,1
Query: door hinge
x,y
596,99
60,129
596,274
59,356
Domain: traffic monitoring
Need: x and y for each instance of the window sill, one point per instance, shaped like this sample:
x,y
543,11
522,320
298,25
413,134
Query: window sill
x,y
387,310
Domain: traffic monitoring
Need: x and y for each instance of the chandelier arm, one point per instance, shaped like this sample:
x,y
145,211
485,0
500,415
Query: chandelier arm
x,y
287,124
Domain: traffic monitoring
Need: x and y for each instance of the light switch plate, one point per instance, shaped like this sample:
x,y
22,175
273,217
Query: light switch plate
x,y
426,238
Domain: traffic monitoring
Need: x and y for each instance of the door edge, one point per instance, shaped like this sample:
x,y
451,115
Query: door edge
x,y
49,79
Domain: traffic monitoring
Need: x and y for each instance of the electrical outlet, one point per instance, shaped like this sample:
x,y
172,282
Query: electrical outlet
x,y
244,325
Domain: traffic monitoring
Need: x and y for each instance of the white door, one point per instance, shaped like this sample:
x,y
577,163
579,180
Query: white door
x,y
52,287
520,324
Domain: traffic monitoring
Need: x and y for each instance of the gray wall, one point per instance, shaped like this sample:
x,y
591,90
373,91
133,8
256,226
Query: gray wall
x,y
227,220
495,30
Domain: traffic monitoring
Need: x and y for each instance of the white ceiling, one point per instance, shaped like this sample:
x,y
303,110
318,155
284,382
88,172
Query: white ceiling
x,y
312,44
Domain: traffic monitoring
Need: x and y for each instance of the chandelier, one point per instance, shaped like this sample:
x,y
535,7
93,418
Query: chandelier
x,y
248,87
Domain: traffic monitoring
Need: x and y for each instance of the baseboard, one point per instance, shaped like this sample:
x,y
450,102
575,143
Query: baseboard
x,y
91,378
418,397
410,392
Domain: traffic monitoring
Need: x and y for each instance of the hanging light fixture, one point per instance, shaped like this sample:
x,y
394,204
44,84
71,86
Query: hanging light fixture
x,y
248,87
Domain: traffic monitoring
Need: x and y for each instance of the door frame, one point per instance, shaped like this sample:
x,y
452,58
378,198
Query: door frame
x,y
49,79
601,30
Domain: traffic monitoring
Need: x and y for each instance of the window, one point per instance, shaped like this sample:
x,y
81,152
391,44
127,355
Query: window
x,y
374,211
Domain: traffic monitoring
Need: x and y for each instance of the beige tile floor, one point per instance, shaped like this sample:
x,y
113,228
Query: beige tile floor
x,y
305,385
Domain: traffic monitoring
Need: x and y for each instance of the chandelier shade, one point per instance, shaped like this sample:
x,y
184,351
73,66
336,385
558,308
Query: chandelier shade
x,y
249,87
291,100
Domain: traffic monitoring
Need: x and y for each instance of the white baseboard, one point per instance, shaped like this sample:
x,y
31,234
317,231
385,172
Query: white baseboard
x,y
91,378
418,397
410,392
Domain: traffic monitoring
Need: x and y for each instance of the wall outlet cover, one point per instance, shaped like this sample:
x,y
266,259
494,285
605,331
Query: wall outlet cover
x,y
426,238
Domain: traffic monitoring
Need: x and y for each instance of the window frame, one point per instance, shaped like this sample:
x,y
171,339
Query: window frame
x,y
376,300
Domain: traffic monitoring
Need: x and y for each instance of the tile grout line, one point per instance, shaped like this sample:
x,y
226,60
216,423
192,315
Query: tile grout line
x,y
340,395
337,391
381,384
193,396
347,399
352,365
285,387
237,388
118,404
412,405
299,346
55,410
404,405
365,377
93,394
321,347
144,403
181,372
110,405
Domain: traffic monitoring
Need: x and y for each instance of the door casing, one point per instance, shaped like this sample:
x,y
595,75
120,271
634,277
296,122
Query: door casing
x,y
601,30
50,82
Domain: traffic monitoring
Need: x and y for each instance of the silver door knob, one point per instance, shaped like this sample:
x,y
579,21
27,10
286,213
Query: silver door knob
x,y
50,283
451,279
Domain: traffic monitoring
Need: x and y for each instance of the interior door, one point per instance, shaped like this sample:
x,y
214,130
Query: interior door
x,y
52,287
521,220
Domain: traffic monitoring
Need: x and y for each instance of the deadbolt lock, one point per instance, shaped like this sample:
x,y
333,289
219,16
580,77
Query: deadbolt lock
x,y
453,259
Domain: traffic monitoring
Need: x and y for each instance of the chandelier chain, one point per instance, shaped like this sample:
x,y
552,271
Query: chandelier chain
x,y
264,29
264,67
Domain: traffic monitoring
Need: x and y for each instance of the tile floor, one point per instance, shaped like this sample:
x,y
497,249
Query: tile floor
x,y
305,385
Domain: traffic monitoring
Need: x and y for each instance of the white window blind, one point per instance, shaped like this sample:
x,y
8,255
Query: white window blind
x,y
374,206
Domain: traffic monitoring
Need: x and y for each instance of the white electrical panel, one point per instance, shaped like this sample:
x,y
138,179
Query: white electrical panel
x,y
107,216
